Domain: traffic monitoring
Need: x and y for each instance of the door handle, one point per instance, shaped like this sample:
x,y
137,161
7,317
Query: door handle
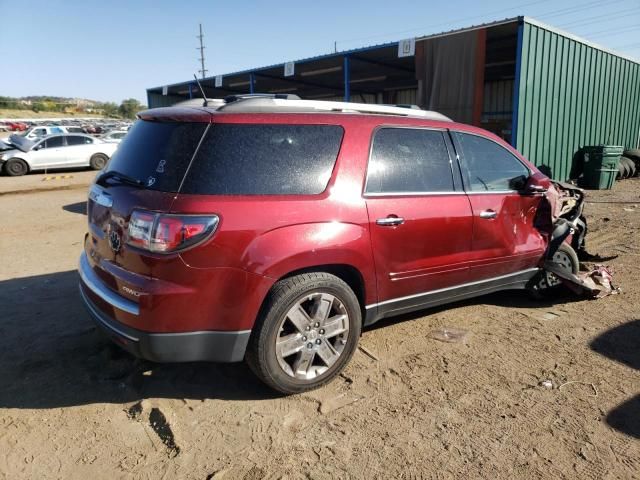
x,y
390,221
488,214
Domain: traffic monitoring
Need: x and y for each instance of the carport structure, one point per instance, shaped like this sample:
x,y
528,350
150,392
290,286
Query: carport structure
x,y
368,75
545,91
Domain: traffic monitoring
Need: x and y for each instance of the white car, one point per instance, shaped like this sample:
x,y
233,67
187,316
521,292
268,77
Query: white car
x,y
56,151
113,136
35,133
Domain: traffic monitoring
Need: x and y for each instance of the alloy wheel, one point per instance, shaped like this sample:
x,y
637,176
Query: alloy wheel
x,y
312,336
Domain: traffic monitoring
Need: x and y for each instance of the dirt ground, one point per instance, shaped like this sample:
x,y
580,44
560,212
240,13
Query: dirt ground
x,y
408,406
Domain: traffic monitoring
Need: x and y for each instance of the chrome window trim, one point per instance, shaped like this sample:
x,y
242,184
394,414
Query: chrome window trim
x,y
455,287
93,283
491,192
411,194
375,131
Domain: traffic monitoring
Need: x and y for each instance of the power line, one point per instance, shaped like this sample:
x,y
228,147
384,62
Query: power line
x,y
599,18
629,45
552,14
566,11
610,32
450,22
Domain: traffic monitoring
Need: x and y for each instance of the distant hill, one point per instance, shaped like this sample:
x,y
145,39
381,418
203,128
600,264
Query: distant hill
x,y
31,99
72,106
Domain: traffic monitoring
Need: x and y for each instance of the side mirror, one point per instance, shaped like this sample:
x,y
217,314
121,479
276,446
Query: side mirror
x,y
536,183
518,183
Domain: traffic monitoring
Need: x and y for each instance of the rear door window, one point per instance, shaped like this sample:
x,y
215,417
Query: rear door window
x,y
73,140
409,160
54,142
489,166
242,159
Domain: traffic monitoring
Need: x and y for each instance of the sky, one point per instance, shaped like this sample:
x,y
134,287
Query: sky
x,y
115,49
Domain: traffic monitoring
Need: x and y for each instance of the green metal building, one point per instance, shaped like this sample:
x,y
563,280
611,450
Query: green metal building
x,y
571,93
545,91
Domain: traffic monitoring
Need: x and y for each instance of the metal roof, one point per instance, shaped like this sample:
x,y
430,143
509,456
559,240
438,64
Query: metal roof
x,y
372,69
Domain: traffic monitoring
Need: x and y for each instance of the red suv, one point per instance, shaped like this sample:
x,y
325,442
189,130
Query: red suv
x,y
273,230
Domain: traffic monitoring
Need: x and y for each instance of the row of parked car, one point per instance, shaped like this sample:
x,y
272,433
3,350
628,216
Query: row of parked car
x,y
98,126
45,147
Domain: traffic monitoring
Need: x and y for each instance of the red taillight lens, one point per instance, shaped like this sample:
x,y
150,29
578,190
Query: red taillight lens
x,y
162,233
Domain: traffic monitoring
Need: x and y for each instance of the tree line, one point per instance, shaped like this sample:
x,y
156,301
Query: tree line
x,y
127,108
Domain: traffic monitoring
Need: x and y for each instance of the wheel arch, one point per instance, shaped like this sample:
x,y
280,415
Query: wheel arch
x,y
15,157
345,272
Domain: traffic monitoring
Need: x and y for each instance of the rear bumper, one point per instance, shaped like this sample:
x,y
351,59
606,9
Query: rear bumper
x,y
198,346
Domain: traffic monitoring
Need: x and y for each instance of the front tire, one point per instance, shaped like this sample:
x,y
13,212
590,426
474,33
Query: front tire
x,y
98,161
15,167
567,259
306,333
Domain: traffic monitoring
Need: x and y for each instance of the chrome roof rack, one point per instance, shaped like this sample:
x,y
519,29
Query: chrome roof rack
x,y
272,104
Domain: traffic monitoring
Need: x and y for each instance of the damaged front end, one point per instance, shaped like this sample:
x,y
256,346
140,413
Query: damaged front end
x,y
569,225
561,218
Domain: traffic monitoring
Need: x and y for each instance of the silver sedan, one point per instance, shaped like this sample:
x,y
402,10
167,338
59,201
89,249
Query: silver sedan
x,y
56,151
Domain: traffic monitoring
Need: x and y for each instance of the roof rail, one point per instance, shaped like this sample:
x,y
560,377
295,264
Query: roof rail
x,y
244,96
271,104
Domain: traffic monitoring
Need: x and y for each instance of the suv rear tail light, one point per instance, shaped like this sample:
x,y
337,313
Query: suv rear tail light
x,y
162,233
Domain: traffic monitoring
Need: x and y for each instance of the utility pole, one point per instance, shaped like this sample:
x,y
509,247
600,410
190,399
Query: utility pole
x,y
203,70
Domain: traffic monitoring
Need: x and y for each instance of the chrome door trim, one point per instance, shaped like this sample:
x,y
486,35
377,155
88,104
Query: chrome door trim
x,y
411,194
447,289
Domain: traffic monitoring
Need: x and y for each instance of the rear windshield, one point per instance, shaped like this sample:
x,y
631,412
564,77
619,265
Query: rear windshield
x,y
240,159
157,153
233,159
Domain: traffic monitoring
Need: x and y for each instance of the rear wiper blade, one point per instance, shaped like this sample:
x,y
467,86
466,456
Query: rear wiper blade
x,y
122,177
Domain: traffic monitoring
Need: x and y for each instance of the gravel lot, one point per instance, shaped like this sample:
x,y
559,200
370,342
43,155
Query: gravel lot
x,y
408,406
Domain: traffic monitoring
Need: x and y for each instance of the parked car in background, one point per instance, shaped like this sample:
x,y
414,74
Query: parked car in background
x,y
56,151
93,129
17,126
39,131
32,133
113,136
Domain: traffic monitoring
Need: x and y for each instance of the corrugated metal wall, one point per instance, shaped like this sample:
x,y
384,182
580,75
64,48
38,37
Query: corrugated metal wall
x,y
156,100
407,97
497,99
570,95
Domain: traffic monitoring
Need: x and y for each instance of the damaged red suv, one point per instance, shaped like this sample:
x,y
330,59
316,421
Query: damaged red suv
x,y
272,230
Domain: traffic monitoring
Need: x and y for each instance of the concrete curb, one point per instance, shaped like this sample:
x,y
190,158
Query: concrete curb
x,y
46,188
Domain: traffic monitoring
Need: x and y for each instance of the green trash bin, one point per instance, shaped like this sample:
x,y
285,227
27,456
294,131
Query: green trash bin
x,y
600,166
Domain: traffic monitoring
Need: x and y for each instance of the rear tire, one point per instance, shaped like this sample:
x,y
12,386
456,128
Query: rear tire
x,y
15,167
633,154
306,332
625,168
98,161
